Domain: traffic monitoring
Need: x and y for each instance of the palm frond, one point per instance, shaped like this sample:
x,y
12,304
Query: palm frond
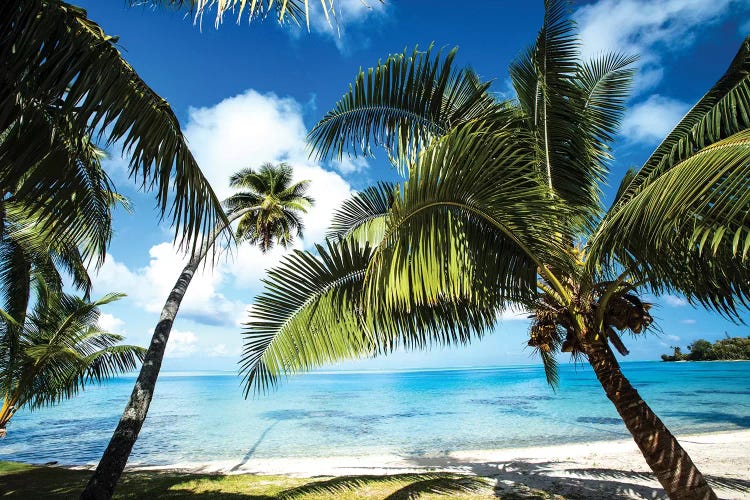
x,y
62,349
473,223
561,101
605,84
245,199
363,215
64,194
308,315
688,229
551,372
401,104
284,11
311,314
54,59
721,113
15,278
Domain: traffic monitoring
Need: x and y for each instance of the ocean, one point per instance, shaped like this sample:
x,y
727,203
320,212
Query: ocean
x,y
203,417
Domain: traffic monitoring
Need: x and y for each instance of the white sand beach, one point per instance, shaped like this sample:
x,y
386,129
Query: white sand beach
x,y
598,470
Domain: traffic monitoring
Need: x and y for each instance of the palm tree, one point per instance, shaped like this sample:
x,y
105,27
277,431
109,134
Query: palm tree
x,y
60,348
268,210
37,246
503,207
272,205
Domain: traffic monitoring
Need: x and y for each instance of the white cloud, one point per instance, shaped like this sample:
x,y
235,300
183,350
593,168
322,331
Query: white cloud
x,y
513,313
350,14
220,351
250,129
647,28
244,131
110,323
673,338
674,301
181,344
239,132
688,322
652,119
350,165
149,287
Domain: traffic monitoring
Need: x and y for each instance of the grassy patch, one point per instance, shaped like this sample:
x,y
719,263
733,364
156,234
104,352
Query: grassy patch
x,y
29,482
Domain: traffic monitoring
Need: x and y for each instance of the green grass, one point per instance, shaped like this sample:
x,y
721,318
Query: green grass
x,y
28,482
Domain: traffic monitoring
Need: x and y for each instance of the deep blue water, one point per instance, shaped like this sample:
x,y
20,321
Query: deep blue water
x,y
204,417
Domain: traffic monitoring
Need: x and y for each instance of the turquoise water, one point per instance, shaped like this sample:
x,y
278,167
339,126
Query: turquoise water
x,y
202,418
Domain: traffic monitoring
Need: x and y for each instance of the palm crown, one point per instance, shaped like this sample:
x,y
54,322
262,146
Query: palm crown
x,y
503,205
58,347
273,204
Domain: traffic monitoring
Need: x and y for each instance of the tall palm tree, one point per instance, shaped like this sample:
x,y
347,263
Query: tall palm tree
x,y
268,209
503,207
60,348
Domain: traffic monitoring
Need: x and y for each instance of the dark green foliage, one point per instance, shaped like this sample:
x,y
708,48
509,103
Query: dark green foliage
x,y
60,73
728,349
53,350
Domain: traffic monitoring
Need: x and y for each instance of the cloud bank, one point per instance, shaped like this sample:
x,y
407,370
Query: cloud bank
x,y
647,28
242,131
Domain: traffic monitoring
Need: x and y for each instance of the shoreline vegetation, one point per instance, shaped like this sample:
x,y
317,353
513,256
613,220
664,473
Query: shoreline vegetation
x,y
597,469
728,349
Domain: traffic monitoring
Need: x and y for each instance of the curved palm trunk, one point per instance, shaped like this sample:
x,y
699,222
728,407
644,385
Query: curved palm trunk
x,y
669,461
6,412
102,483
14,400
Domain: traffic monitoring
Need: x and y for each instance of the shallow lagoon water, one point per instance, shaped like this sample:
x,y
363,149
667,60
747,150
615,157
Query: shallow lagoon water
x,y
201,417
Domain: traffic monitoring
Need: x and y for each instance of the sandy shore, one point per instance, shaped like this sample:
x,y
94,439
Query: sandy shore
x,y
599,470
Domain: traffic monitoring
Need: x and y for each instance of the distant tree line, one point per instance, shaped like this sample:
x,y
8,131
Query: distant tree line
x,y
703,350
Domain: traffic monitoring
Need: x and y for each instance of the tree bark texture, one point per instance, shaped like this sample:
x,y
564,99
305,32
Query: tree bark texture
x,y
102,484
670,462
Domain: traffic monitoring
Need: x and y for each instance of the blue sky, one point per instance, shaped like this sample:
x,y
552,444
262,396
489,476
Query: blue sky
x,y
248,94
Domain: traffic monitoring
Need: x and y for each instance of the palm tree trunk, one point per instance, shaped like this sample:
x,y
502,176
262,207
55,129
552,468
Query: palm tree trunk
x,y
102,483
6,412
669,461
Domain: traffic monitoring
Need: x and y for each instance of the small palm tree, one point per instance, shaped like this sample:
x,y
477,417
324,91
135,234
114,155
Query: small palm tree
x,y
279,203
268,211
59,349
502,207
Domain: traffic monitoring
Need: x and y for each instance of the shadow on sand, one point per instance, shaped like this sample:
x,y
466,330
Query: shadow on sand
x,y
519,479
516,480
254,447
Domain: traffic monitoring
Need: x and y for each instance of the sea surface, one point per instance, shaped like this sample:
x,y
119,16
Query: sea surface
x,y
203,417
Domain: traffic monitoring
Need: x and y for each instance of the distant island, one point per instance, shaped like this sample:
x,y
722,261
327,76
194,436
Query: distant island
x,y
730,348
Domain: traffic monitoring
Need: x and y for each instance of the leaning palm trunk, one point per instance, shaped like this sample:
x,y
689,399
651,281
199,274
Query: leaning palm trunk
x,y
669,461
102,483
6,412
